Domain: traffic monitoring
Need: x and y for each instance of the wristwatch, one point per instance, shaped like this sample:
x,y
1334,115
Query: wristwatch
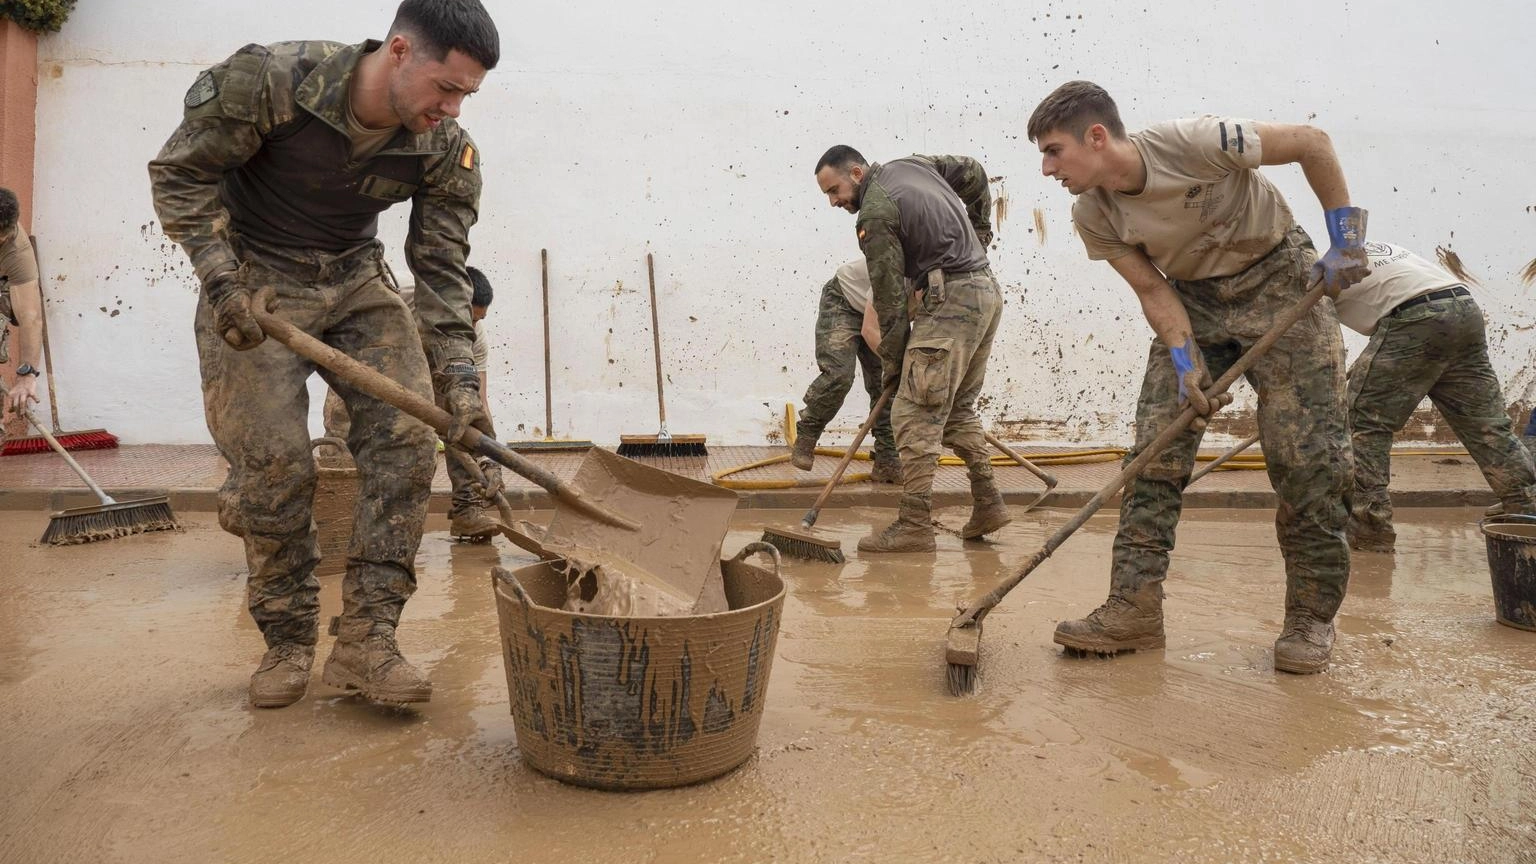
x,y
27,369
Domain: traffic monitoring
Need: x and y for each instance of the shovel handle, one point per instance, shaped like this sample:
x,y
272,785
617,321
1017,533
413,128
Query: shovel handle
x,y
972,615
1222,459
1046,477
388,391
811,515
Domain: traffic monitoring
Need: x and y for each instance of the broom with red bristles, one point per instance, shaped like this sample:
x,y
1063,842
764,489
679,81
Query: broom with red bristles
x,y
84,439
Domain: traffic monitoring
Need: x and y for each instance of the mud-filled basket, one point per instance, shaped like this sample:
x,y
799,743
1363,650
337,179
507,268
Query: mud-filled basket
x,y
1512,565
335,498
637,703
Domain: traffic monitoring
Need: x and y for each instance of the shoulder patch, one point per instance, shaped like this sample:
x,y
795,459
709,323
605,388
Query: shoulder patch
x,y
203,89
469,159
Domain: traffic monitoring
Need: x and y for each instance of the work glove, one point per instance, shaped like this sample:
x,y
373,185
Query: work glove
x,y
459,382
1346,262
229,293
1194,379
493,485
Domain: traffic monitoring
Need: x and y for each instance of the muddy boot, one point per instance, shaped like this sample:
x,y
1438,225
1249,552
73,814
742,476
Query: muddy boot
x,y
476,524
803,456
366,658
988,512
1125,622
911,532
283,675
1363,538
1494,509
887,469
1304,645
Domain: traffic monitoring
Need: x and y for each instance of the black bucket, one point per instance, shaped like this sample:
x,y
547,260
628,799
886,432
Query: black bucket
x,y
1512,564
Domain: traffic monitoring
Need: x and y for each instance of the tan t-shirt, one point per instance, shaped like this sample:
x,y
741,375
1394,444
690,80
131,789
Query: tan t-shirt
x,y
1205,211
365,141
18,267
1396,275
853,279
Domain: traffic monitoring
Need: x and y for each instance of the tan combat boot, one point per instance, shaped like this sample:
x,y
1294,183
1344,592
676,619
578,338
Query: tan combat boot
x,y
887,469
366,658
988,512
475,524
803,456
1304,645
283,675
1127,621
911,532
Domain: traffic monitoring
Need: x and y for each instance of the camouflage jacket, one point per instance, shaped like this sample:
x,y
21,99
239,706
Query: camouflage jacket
x,y
919,214
262,152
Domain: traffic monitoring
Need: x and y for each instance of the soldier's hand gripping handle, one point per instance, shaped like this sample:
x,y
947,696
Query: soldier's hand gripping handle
x,y
1194,379
1345,262
459,384
229,293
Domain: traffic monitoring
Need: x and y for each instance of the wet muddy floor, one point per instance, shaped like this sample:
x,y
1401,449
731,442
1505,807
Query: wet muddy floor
x,y
125,734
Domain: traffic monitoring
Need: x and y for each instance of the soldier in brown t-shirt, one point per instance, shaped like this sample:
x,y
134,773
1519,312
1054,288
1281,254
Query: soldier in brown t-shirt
x,y
1214,255
21,304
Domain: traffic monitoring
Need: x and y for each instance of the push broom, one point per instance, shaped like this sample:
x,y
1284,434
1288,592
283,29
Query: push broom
x,y
962,651
104,521
81,439
801,542
549,444
662,443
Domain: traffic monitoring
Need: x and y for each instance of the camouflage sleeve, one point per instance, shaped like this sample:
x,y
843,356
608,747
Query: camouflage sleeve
x,y
969,180
883,253
221,128
436,247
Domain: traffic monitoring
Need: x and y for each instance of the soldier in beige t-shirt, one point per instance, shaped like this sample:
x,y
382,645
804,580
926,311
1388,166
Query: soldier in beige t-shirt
x,y
21,305
1215,256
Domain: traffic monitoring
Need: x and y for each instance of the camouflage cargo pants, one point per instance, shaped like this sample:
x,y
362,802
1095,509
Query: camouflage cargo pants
x,y
1300,384
257,410
839,350
942,373
1437,349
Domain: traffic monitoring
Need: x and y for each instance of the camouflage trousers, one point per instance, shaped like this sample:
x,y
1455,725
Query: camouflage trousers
x,y
338,421
839,349
257,408
1437,349
1300,384
942,372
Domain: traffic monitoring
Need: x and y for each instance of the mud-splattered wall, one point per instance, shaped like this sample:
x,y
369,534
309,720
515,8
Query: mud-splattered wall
x,y
689,129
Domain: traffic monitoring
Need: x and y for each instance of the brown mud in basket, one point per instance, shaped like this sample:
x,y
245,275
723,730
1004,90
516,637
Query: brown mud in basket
x,y
335,500
636,703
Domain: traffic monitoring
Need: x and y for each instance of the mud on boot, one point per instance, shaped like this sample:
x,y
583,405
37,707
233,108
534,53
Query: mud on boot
x,y
803,455
911,532
887,469
1304,645
474,524
365,658
988,512
1126,621
283,675
1363,538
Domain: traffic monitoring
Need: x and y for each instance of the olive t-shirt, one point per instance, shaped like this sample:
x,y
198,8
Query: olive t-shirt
x,y
17,267
1205,210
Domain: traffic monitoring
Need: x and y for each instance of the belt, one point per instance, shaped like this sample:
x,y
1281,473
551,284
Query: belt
x,y
1442,294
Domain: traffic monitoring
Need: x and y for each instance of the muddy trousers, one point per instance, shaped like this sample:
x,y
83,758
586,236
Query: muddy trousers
x,y
257,409
1437,349
1300,385
841,353
942,372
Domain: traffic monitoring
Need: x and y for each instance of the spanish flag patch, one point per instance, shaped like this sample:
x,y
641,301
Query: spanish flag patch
x,y
467,157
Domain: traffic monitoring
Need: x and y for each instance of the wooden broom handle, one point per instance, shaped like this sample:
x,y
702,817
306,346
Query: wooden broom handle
x,y
549,411
661,399
811,515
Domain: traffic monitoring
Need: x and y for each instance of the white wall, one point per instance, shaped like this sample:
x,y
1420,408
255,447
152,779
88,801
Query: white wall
x,y
690,129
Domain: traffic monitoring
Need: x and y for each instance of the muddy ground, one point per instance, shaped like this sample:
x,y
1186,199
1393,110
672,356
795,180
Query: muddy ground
x,y
125,734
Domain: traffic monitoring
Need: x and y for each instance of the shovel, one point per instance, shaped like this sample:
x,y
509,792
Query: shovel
x,y
375,384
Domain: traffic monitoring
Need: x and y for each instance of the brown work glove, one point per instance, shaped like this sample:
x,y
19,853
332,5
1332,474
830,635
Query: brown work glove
x,y
229,293
459,382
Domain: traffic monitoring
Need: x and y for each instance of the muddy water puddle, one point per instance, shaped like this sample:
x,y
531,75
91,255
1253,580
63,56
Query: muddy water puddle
x,y
123,669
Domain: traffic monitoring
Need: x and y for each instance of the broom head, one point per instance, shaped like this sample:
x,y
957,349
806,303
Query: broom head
x,y
804,545
659,445
106,521
87,439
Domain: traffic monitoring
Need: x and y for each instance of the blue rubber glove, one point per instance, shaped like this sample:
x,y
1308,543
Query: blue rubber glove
x,y
1184,363
1346,262
1189,365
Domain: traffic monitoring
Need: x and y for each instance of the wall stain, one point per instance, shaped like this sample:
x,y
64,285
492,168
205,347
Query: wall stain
x,y
1528,275
1040,225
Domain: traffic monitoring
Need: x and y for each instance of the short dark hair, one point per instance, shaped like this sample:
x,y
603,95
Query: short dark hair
x,y
483,293
840,158
10,209
441,26
1073,108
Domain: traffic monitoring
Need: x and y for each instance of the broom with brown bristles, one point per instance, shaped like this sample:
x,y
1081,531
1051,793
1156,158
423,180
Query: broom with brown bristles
x,y
663,443
801,543
102,521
